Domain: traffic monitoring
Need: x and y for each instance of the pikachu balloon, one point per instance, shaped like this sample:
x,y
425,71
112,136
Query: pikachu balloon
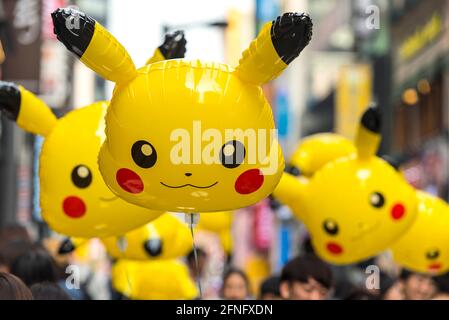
x,y
74,199
219,223
354,206
189,136
164,238
425,246
146,267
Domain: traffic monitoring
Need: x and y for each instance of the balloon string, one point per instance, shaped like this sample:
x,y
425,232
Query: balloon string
x,y
195,254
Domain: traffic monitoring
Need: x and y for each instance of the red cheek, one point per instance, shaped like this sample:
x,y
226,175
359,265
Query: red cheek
x,y
334,248
398,211
74,207
249,182
129,181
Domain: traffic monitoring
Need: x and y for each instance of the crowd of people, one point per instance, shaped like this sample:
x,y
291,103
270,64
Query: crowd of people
x,y
28,271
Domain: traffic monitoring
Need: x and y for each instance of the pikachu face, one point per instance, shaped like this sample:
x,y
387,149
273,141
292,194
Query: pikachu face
x,y
74,199
354,206
425,246
164,238
189,136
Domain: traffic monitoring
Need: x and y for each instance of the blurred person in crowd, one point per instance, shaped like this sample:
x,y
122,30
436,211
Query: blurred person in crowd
x,y
391,288
442,284
14,232
306,278
34,266
361,294
10,250
195,271
48,291
269,289
418,286
235,285
12,288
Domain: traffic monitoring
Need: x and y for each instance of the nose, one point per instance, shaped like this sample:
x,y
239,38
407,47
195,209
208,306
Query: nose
x,y
153,247
187,174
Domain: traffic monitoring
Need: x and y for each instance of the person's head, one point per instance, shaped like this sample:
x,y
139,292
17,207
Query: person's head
x,y
269,289
48,291
13,232
35,266
391,288
360,294
235,285
10,251
306,278
418,286
12,288
191,262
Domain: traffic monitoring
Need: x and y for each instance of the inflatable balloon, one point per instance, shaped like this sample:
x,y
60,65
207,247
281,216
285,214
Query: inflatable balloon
x,y
317,150
219,223
153,280
74,199
425,246
164,238
189,136
354,206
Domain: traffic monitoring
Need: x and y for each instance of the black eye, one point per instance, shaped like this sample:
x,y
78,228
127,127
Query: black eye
x,y
81,176
331,227
144,154
232,154
433,254
377,200
153,247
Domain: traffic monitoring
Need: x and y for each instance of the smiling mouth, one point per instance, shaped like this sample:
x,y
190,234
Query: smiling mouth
x,y
188,185
108,199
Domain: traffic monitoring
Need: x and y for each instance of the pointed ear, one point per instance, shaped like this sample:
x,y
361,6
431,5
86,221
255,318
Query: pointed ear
x,y
28,111
277,45
368,137
93,45
174,47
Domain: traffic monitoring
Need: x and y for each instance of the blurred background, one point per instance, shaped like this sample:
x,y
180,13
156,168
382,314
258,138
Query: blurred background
x,y
393,52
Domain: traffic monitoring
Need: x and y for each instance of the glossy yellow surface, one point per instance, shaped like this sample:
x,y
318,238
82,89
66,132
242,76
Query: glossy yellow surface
x,y
219,223
153,280
74,140
315,151
425,246
163,101
172,235
354,206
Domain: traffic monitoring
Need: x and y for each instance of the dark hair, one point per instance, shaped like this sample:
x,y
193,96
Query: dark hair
x,y
360,294
35,266
13,232
48,291
12,288
271,286
386,282
231,271
12,249
199,252
300,269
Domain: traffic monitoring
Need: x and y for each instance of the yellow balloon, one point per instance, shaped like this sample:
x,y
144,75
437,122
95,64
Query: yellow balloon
x,y
189,136
315,151
354,206
164,238
425,246
153,280
219,223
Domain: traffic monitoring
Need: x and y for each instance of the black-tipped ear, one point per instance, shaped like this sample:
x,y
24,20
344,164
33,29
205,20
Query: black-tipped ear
x,y
372,119
174,46
10,100
392,161
290,34
153,247
74,29
66,247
